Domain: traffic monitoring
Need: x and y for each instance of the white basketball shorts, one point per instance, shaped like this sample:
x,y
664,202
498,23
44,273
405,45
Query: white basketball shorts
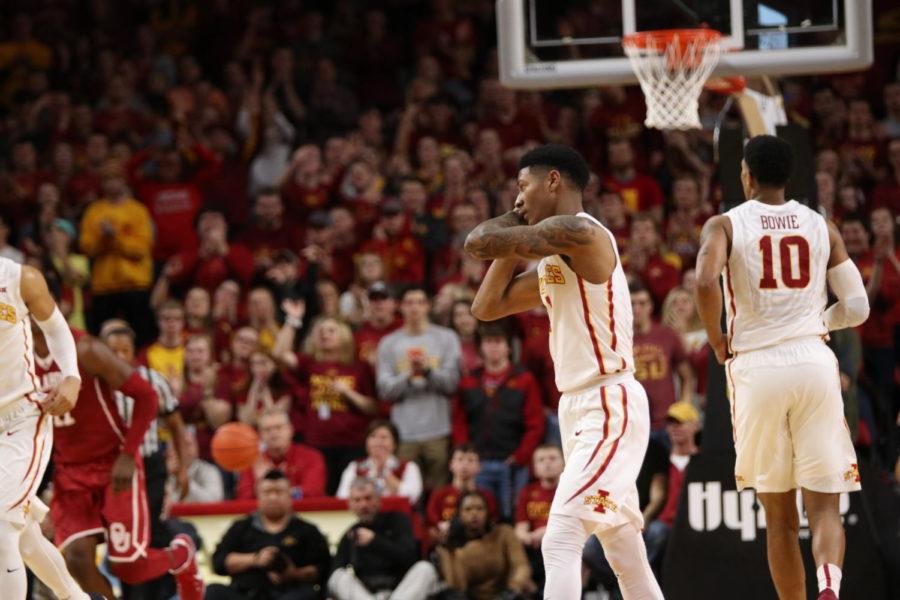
x,y
605,431
26,441
788,419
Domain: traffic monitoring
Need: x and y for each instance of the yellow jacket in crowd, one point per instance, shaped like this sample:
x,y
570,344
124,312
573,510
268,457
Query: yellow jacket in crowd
x,y
119,237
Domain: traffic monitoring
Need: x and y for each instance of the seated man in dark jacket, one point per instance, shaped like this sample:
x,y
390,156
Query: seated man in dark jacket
x,y
271,554
378,554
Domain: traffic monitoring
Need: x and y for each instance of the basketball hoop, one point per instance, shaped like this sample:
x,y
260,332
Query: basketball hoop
x,y
672,65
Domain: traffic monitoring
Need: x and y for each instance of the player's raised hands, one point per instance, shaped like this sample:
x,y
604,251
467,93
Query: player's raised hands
x,y
62,398
123,472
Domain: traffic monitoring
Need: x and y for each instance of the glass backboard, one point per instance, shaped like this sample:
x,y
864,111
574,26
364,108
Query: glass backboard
x,y
548,43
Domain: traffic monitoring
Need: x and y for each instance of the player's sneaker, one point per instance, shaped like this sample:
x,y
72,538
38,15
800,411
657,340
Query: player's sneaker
x,y
95,596
187,577
827,594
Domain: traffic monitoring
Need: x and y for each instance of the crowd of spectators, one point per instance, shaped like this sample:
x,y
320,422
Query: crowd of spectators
x,y
274,198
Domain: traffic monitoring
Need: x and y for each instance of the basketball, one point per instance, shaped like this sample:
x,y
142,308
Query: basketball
x,y
235,446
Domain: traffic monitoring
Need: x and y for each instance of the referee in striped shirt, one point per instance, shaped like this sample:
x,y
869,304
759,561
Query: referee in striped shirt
x,y
119,336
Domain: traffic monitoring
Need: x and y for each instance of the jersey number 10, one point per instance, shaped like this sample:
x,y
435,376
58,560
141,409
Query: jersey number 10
x,y
788,276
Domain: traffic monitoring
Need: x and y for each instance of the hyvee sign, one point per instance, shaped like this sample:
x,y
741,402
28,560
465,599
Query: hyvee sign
x,y
717,548
709,508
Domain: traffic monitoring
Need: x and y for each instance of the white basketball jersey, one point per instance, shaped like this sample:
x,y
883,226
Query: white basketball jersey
x,y
16,346
775,276
590,324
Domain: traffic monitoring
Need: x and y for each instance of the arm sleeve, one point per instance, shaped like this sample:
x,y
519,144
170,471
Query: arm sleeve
x,y
60,343
852,306
146,407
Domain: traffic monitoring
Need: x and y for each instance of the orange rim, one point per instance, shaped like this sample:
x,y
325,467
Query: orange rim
x,y
726,85
664,37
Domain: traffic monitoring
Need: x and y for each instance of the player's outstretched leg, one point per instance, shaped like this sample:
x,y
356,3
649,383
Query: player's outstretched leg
x,y
81,560
627,555
12,570
782,544
47,564
823,512
561,548
179,559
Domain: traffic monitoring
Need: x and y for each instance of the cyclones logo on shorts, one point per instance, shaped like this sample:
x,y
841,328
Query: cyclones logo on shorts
x,y
601,502
852,474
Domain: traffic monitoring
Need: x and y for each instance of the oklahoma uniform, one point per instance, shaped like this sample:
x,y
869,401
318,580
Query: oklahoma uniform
x,y
784,384
88,440
604,417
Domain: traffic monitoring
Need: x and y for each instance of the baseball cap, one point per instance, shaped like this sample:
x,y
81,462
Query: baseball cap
x,y
380,289
66,226
683,412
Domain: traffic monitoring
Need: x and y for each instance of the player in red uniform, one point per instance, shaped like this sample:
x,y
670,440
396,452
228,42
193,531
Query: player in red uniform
x,y
98,480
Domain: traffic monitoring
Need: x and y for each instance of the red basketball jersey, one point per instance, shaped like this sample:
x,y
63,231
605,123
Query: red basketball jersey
x,y
93,431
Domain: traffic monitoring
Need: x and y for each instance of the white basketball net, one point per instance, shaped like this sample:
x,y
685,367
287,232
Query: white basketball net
x,y
672,70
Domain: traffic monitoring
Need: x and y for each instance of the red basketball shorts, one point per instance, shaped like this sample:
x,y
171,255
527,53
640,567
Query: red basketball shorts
x,y
84,504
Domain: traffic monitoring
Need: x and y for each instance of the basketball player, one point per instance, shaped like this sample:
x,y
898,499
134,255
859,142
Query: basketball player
x,y
98,479
786,407
26,434
603,412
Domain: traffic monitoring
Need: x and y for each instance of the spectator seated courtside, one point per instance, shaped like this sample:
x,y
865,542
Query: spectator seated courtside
x,y
271,554
376,557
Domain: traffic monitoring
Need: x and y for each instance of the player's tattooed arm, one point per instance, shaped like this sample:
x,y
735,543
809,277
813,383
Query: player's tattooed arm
x,y
498,238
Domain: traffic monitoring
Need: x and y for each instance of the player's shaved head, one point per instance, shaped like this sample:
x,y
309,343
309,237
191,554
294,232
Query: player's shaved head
x,y
564,159
770,160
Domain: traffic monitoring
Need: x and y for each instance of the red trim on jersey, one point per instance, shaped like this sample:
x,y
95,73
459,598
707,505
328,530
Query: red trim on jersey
x,y
34,454
733,307
605,427
612,318
590,326
612,452
29,354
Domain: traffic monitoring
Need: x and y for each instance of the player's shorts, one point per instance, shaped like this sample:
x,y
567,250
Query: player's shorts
x,y
605,431
84,504
26,441
788,420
